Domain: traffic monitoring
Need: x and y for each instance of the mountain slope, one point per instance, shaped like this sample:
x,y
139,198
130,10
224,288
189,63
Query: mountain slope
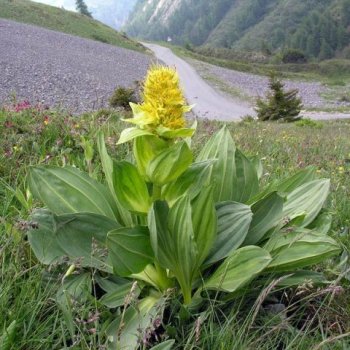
x,y
320,28
63,21
113,13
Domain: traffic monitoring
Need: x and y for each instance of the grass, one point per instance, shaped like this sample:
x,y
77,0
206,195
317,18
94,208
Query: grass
x,y
313,319
64,21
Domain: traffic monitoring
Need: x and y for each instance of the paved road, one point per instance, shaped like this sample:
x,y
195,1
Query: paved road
x,y
209,103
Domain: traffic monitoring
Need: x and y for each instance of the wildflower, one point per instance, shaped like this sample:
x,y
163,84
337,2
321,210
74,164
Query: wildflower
x,y
163,104
22,106
46,120
341,169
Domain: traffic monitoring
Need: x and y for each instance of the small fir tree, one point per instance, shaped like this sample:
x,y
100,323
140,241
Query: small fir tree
x,y
280,104
82,8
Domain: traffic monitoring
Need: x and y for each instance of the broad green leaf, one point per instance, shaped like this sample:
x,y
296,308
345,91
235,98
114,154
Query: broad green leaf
x,y
43,239
169,164
239,269
322,224
131,134
173,241
77,287
222,148
78,236
307,200
234,220
204,221
302,277
123,215
267,213
68,190
116,298
190,182
247,182
128,330
299,249
288,185
178,133
130,187
257,163
111,282
167,345
146,148
130,250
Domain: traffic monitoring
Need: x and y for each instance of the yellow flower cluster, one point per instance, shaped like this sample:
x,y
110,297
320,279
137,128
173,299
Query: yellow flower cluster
x,y
163,101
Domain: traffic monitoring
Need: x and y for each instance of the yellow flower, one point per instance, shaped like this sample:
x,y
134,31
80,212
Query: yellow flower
x,y
164,104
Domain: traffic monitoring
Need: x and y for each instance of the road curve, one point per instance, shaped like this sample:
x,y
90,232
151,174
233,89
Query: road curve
x,y
208,103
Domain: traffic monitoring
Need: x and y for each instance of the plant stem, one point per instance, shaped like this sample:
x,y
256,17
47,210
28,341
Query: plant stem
x,y
157,193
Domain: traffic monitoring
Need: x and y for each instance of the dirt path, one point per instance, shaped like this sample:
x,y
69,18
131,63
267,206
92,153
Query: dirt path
x,y
213,105
209,103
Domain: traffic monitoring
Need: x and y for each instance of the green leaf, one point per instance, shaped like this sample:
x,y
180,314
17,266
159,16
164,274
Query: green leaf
x,y
77,287
288,185
8,337
292,183
247,182
302,277
307,200
299,249
169,164
129,329
239,269
204,221
146,148
267,213
78,236
130,250
167,345
116,298
173,134
68,190
222,148
131,134
233,224
130,187
190,182
322,224
173,241
257,163
123,215
43,239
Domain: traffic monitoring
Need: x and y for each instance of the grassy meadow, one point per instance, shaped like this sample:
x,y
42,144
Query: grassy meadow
x,y
64,21
314,317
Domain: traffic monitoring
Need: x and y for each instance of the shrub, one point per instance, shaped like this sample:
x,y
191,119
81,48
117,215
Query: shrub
x,y
168,227
279,105
306,122
122,97
293,56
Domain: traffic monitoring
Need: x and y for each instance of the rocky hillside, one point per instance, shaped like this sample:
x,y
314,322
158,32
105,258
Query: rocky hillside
x,y
320,28
63,21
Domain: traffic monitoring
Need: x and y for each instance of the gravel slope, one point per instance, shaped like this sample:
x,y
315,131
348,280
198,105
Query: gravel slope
x,y
252,86
57,69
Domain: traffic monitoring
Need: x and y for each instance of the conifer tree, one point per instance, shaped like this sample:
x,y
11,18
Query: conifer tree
x,y
280,104
82,8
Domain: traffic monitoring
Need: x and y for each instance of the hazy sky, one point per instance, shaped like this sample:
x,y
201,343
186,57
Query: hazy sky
x,y
112,12
70,4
